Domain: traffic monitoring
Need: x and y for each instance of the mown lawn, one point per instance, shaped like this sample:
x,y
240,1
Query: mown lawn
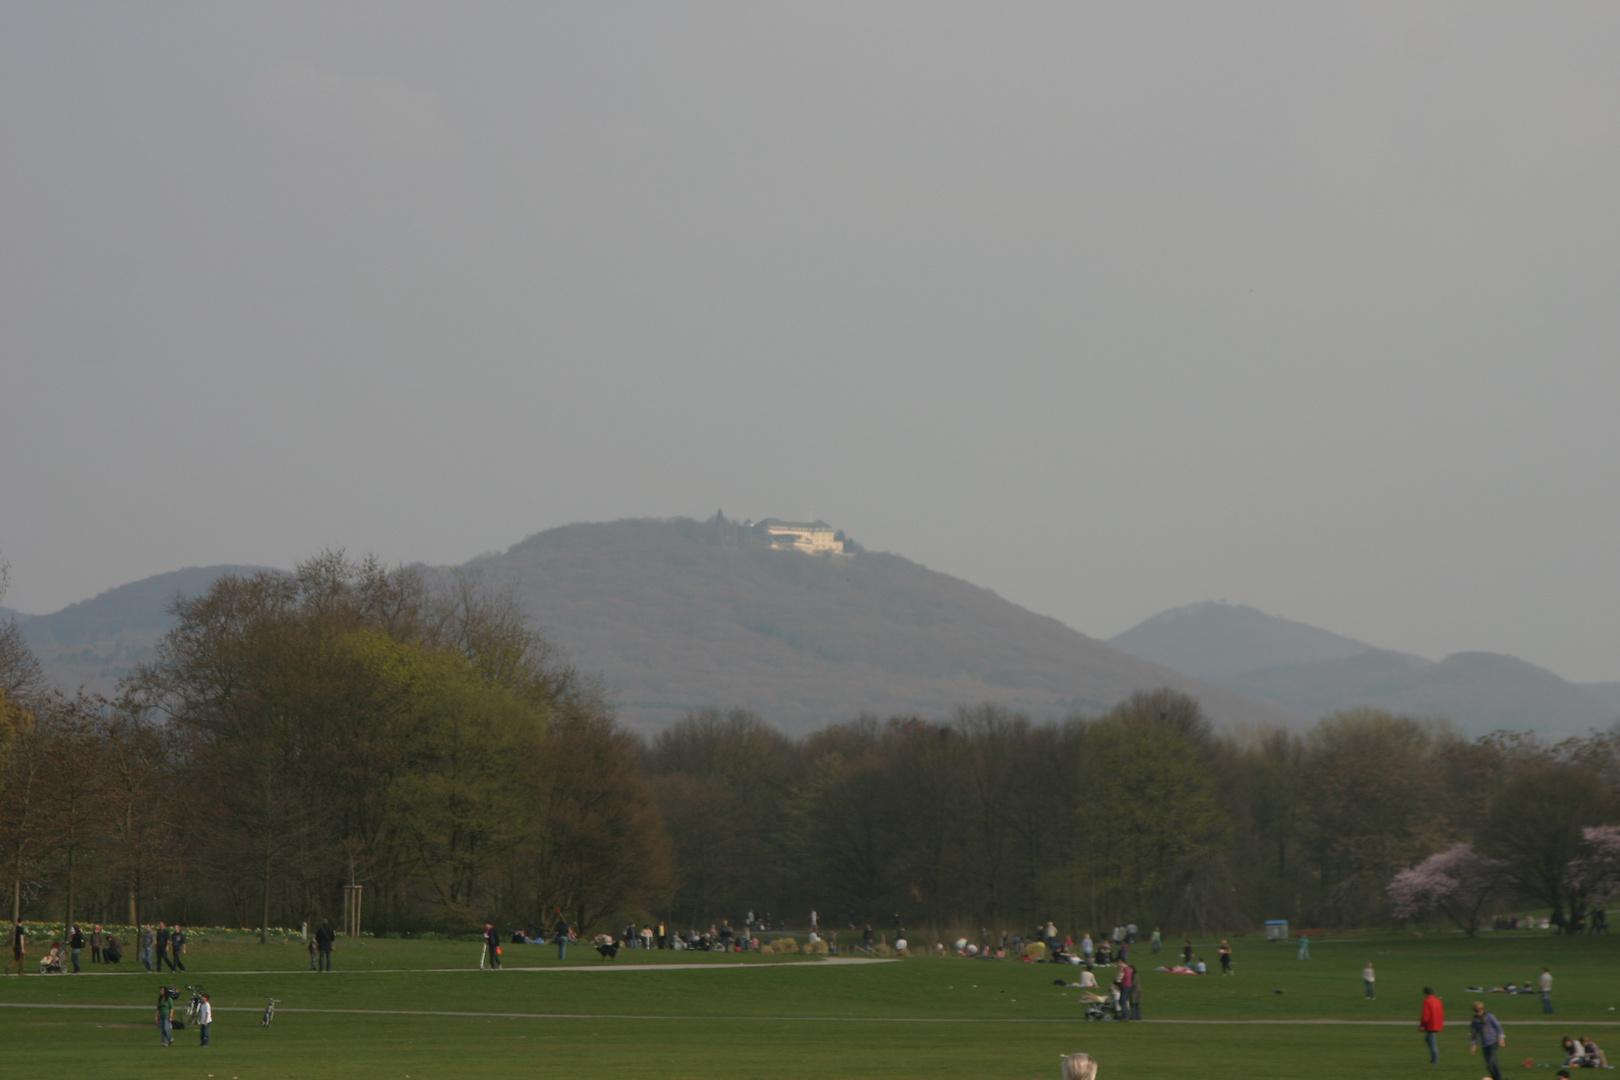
x,y
790,1017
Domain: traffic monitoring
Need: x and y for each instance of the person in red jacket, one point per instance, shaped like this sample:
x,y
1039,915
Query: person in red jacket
x,y
1431,1023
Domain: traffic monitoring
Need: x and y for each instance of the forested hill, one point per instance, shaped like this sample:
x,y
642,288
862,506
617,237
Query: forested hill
x,y
681,614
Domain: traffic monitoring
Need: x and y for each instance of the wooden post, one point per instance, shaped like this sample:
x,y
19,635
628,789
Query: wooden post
x,y
352,899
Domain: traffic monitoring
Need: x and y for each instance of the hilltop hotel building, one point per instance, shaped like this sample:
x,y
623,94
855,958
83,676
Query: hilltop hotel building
x,y
812,538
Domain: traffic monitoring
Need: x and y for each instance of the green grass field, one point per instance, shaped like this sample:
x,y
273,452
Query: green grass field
x,y
798,1017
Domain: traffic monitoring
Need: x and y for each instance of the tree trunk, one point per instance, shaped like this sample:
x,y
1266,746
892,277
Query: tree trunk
x,y
67,927
264,915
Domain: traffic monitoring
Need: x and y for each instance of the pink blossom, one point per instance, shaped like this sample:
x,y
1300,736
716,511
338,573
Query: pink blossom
x,y
1455,882
1595,875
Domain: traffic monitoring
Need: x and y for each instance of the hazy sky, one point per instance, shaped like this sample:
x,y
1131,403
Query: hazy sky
x,y
1107,307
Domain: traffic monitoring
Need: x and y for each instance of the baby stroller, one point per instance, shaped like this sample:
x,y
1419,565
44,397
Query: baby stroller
x,y
51,962
1102,1006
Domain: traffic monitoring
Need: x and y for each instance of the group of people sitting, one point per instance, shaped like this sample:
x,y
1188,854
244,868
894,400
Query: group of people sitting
x,y
1526,987
1583,1053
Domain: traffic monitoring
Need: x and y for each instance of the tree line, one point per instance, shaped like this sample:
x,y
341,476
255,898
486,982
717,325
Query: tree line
x,y
411,732
297,732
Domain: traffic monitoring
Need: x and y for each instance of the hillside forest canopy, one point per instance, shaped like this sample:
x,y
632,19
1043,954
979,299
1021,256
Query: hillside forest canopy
x,y
411,731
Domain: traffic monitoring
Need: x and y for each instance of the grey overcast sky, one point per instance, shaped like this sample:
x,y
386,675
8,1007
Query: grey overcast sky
x,y
1107,307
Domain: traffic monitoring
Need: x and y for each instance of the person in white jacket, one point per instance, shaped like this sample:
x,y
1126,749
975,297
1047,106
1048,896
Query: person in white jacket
x,y
205,1017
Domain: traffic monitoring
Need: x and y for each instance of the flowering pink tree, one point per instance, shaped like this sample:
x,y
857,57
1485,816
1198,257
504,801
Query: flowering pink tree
x,y
1594,875
1455,882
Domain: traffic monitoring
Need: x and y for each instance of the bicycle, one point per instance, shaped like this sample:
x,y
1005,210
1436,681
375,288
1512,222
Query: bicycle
x,y
269,1012
194,1007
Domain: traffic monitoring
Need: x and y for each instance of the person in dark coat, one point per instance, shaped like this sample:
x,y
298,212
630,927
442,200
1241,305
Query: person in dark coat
x,y
492,946
163,947
76,946
323,943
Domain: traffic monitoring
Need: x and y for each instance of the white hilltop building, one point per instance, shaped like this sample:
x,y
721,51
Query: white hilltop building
x,y
810,537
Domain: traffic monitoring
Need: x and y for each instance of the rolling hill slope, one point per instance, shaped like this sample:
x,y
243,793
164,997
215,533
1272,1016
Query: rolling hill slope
x,y
1214,640
94,643
683,614
1311,671
679,615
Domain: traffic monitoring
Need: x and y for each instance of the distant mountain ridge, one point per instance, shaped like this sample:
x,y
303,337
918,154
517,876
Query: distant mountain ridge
x,y
1216,640
94,643
683,614
679,614
1312,671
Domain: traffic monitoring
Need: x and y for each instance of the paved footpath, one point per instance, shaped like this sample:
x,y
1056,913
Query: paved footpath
x,y
806,1019
608,965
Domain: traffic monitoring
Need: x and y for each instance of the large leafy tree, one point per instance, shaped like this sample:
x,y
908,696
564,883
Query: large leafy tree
x,y
351,721
1378,801
1537,829
1147,778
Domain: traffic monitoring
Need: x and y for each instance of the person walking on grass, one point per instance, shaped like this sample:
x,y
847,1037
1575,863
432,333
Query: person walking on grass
x,y
1546,991
1369,976
1432,1021
1156,941
1226,958
165,1012
148,942
177,946
1484,1030
205,1019
19,947
76,946
1304,947
562,932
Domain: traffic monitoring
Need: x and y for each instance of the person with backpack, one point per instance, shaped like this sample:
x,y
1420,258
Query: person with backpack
x,y
76,946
